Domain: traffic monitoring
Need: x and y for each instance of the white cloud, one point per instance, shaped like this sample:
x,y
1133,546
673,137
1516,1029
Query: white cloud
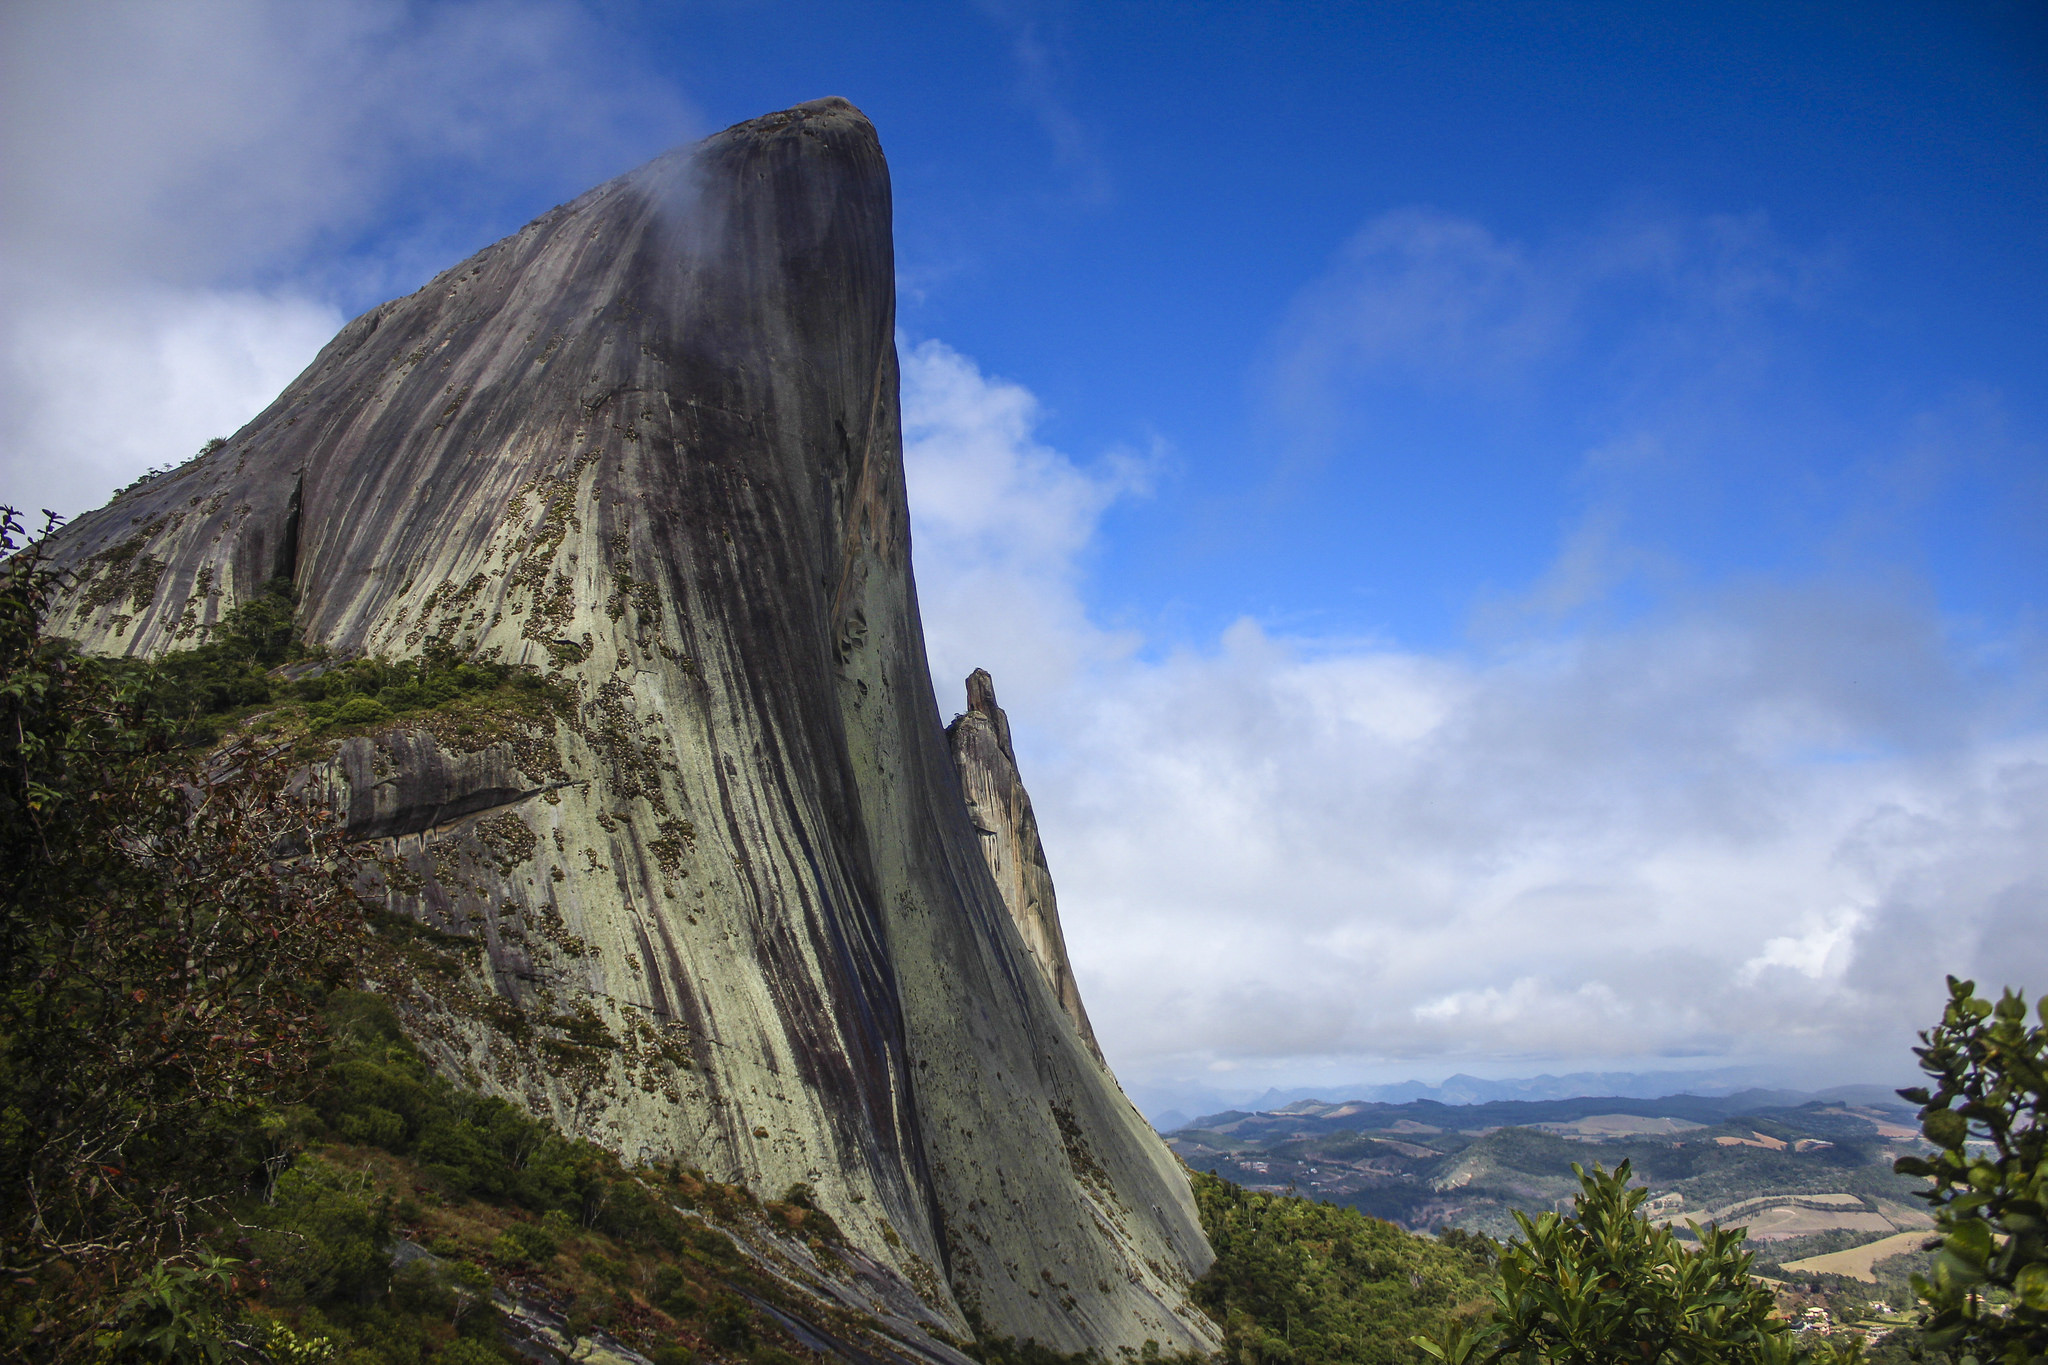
x,y
1002,525
1039,92
1757,825
99,387
166,165
1426,291
1662,313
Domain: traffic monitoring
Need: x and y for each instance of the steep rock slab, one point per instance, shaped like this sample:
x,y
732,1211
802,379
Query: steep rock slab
x,y
724,905
1000,810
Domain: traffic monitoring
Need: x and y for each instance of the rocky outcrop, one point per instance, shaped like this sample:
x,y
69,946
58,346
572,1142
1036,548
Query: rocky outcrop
x,y
721,901
1000,810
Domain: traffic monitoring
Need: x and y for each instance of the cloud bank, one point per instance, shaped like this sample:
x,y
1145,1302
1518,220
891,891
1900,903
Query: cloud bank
x,y
197,195
1753,825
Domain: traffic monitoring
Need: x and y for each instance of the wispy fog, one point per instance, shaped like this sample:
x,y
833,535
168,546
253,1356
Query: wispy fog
x,y
197,195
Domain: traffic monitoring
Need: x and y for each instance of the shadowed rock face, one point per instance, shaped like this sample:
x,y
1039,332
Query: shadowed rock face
x,y
1000,810
651,444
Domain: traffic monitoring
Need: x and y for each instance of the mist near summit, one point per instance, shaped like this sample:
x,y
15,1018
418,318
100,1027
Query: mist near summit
x,y
198,197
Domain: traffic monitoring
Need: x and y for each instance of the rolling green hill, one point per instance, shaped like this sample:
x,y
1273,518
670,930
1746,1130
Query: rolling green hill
x,y
1786,1170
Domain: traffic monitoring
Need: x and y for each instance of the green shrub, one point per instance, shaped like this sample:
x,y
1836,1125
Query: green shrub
x,y
1310,1282
1603,1283
529,1243
589,1313
611,1271
712,1244
467,1351
361,711
1987,1119
231,671
325,1236
992,1349
207,687
730,1323
379,1092
177,1314
283,1346
1482,1249
675,1295
416,1288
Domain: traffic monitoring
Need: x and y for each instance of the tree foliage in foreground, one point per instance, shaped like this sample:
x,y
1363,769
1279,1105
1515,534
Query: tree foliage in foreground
x,y
1603,1286
1988,1298
165,924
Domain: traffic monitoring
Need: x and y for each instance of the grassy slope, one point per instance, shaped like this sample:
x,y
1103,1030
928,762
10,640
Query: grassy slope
x,y
389,1153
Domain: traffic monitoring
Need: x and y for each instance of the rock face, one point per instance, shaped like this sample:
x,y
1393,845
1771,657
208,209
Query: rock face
x,y
727,906
1000,809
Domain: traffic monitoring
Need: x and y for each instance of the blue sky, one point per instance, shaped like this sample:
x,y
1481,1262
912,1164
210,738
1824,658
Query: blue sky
x,y
1515,533
1840,259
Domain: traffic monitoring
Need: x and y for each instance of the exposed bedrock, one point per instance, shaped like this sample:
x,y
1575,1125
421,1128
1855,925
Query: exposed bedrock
x,y
1000,810
650,444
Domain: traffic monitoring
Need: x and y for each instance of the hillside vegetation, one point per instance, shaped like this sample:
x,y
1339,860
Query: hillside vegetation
x,y
1786,1170
1308,1282
415,1210
252,673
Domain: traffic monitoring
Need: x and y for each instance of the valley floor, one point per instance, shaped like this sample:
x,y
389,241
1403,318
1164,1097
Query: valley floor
x,y
1830,1222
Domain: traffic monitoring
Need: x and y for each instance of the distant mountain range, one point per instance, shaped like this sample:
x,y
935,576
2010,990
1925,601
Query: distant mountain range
x,y
1810,1171
1177,1109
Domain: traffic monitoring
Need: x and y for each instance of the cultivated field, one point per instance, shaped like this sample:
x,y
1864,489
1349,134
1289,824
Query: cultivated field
x,y
1859,1262
1598,1126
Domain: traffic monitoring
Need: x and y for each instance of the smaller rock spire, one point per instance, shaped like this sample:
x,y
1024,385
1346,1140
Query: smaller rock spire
x,y
1001,811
